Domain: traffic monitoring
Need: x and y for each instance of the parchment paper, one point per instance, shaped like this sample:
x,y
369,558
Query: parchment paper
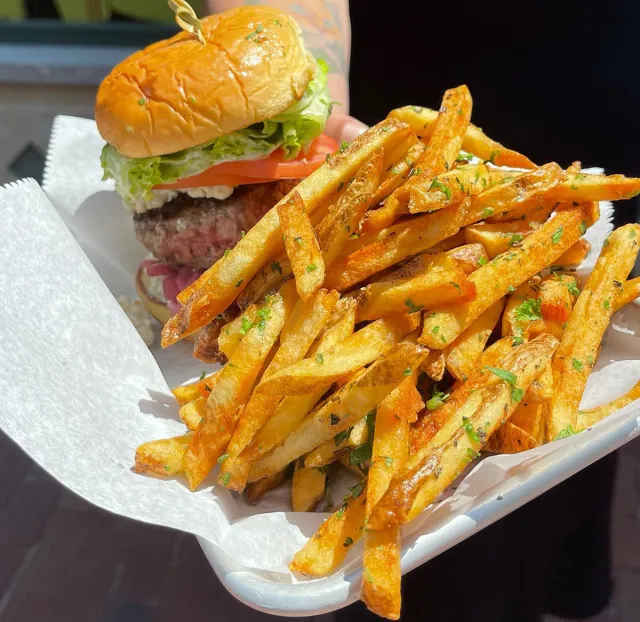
x,y
81,391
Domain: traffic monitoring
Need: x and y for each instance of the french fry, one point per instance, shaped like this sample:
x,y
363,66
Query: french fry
x,y
497,238
524,192
206,347
558,294
301,245
541,389
307,487
591,314
230,392
442,151
448,188
353,353
434,365
189,392
163,457
407,239
326,550
305,325
348,405
214,291
462,355
575,255
522,312
506,271
232,333
293,409
398,173
434,466
510,439
630,291
340,445
586,187
587,418
382,574
344,216
531,417
259,489
193,412
442,282
469,257
422,122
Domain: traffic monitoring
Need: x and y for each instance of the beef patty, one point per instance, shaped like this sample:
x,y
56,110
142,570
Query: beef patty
x,y
196,232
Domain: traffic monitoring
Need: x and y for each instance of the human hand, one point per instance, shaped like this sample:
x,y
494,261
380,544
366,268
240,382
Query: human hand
x,y
344,127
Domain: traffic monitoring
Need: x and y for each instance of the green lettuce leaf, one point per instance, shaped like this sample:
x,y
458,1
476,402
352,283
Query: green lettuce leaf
x,y
292,130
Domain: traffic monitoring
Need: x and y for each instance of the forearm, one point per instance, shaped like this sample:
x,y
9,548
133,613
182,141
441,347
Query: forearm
x,y
327,32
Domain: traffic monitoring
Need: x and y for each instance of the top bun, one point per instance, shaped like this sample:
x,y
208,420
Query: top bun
x,y
179,93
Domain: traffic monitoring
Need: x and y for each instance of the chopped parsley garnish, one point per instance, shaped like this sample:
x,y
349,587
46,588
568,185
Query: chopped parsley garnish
x,y
343,146
388,460
203,375
340,512
414,171
510,378
606,304
222,458
320,358
312,267
517,341
224,478
557,235
141,101
529,310
348,541
464,156
573,288
240,282
412,306
334,419
435,330
438,398
298,240
590,360
583,227
255,33
438,185
483,261
167,468
361,455
356,490
469,429
246,325
511,289
276,267
456,286
226,252
566,432
341,436
577,364
514,238
632,234
487,211
472,454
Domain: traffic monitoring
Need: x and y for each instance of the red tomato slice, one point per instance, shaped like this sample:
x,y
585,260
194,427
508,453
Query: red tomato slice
x,y
243,172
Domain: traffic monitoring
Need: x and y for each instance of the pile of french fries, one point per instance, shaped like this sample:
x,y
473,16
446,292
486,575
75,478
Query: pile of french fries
x,y
411,303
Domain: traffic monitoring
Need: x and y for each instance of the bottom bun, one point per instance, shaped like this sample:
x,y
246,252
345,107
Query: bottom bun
x,y
155,307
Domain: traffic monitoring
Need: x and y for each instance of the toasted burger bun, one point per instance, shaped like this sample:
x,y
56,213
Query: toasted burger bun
x,y
179,93
156,307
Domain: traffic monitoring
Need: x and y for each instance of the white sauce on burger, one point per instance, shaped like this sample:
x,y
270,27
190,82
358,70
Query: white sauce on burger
x,y
160,197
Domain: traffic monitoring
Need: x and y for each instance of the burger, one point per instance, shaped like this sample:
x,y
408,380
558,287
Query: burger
x,y
205,135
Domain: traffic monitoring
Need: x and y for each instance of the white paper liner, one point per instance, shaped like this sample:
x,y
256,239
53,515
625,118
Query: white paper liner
x,y
82,391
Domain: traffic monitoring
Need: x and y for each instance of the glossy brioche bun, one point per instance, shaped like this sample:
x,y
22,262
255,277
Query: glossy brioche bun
x,y
179,93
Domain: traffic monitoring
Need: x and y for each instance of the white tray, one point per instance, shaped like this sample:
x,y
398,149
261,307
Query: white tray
x,y
81,392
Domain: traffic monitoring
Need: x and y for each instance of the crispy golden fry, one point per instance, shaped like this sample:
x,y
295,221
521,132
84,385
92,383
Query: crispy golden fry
x,y
498,238
338,446
630,291
462,355
353,467
441,283
578,349
293,409
398,173
586,187
439,416
305,325
201,388
231,391
382,574
231,334
214,291
469,257
301,245
193,412
575,255
522,312
348,405
407,239
434,365
440,155
433,467
266,281
307,487
558,294
344,216
448,188
358,350
587,418
531,417
541,390
422,122
510,439
259,489
163,457
523,192
506,271
328,547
